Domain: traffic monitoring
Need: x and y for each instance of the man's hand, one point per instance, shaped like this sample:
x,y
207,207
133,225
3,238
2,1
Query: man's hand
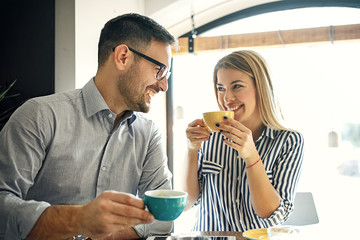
x,y
112,212
109,213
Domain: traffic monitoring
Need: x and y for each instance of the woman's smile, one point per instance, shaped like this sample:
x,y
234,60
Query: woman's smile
x,y
234,108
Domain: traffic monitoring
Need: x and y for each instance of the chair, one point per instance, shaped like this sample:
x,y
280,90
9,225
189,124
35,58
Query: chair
x,y
304,210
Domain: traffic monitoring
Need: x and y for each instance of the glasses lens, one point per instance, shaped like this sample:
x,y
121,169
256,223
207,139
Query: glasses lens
x,y
162,73
168,75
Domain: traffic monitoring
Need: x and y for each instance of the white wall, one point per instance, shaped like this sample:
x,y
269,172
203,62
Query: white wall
x,y
64,45
90,17
77,29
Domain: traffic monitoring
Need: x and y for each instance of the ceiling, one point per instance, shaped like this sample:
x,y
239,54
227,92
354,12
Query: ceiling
x,y
203,11
203,15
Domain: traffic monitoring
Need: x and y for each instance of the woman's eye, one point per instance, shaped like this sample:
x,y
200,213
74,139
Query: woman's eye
x,y
220,88
238,86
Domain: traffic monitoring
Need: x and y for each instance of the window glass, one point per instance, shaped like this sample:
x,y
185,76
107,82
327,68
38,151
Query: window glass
x,y
318,90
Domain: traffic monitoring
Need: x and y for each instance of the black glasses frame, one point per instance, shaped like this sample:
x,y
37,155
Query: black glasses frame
x,y
163,71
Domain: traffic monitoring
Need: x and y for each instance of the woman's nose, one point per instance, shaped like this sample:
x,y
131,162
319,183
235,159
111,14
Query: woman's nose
x,y
228,96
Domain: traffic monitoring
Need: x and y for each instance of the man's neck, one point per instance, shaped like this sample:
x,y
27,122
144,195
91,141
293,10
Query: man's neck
x,y
110,94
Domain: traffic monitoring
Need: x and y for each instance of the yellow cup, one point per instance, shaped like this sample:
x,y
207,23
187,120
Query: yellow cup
x,y
212,118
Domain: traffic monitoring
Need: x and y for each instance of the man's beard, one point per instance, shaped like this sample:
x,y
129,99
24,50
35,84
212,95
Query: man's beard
x,y
130,89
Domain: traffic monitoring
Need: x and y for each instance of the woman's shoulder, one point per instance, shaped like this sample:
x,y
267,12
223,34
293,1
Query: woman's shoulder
x,y
290,134
293,137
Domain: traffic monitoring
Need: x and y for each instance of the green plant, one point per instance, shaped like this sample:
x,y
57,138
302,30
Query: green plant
x,y
8,103
2,95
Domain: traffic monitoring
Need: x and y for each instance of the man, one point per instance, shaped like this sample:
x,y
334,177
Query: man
x,y
60,155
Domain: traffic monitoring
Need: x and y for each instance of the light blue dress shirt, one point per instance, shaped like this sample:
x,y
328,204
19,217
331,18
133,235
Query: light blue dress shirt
x,y
64,149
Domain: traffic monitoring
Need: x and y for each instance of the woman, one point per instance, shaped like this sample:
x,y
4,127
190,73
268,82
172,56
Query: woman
x,y
243,177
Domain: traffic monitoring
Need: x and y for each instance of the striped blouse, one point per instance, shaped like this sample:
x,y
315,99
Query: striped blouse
x,y
224,192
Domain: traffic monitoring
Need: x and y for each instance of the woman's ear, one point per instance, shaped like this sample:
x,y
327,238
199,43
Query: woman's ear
x,y
122,58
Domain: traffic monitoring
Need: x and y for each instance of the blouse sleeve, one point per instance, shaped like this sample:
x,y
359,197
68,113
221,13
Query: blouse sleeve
x,y
285,175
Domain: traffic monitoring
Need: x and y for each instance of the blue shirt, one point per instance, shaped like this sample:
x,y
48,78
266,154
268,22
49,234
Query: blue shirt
x,y
224,191
64,149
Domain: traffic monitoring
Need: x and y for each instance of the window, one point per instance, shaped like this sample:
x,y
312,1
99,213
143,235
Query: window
x,y
318,89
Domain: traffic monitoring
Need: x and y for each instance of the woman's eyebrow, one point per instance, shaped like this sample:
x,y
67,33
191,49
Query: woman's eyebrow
x,y
233,82
236,81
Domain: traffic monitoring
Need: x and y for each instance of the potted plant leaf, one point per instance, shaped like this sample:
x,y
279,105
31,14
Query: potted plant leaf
x,y
9,102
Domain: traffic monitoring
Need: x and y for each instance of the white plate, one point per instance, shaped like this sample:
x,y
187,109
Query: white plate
x,y
189,237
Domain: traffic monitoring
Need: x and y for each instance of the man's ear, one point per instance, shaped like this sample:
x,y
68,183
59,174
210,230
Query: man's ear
x,y
122,57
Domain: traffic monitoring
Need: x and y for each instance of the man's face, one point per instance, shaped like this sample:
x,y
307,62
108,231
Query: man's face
x,y
139,84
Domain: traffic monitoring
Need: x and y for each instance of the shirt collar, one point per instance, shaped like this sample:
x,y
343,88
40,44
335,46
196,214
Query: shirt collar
x,y
93,100
129,116
95,103
268,132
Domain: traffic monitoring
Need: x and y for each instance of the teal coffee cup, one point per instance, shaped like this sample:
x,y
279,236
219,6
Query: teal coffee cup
x,y
165,205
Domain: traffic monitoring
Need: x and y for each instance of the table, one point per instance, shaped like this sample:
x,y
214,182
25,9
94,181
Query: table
x,y
238,235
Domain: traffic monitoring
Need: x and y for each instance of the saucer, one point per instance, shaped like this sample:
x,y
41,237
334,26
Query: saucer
x,y
255,234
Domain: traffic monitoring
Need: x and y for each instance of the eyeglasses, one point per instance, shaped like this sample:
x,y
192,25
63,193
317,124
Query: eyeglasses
x,y
163,71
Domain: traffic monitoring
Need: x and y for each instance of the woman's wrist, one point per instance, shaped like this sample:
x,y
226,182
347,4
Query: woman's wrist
x,y
193,147
253,164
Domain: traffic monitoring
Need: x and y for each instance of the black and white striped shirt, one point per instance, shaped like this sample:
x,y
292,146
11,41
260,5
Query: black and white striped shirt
x,y
224,192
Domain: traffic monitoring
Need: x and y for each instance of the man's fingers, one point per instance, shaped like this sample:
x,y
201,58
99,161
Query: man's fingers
x,y
126,205
123,210
126,221
124,198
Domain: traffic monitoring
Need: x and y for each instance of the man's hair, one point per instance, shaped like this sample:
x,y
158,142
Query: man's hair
x,y
132,29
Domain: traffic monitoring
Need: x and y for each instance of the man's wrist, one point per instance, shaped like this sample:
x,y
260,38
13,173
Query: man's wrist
x,y
58,221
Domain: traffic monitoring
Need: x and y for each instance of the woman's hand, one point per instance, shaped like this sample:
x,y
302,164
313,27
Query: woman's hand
x,y
240,138
196,132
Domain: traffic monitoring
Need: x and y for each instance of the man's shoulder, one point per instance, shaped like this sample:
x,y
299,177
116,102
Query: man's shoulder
x,y
62,102
67,96
144,123
142,118
56,100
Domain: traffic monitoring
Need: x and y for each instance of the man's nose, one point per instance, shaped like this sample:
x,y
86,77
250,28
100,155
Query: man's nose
x,y
163,84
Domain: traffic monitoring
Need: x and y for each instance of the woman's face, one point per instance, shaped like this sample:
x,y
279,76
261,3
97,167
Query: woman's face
x,y
236,92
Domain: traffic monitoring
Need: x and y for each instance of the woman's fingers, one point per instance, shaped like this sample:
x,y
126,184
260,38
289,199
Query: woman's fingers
x,y
196,132
197,122
236,124
197,129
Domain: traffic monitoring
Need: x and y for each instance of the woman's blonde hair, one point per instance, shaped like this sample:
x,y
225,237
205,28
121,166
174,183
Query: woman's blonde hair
x,y
252,64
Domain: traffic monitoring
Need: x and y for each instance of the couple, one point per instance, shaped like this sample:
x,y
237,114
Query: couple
x,y
73,163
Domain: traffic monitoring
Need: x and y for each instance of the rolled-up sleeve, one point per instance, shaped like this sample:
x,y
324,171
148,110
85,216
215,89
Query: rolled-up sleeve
x,y
19,216
285,176
155,175
21,151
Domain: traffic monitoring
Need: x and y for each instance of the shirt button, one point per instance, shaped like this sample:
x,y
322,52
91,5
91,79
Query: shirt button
x,y
103,168
237,201
110,115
